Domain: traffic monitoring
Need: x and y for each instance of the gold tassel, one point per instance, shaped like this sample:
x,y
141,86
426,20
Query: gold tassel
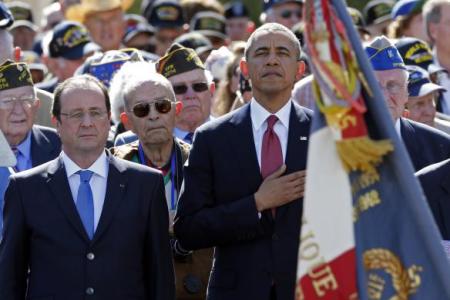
x,y
362,154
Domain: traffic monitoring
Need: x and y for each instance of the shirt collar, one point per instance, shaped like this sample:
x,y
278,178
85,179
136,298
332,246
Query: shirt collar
x,y
25,147
99,167
259,114
179,132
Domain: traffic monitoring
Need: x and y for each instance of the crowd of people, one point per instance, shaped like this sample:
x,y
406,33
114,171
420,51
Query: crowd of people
x,y
162,155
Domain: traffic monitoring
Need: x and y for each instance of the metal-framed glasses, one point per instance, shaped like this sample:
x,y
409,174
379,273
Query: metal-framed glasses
x,y
198,87
79,115
393,87
8,103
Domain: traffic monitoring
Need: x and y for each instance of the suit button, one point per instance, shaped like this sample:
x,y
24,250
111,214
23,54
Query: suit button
x,y
90,256
90,291
275,237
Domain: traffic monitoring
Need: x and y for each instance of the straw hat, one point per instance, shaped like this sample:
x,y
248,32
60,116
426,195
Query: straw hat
x,y
78,12
7,158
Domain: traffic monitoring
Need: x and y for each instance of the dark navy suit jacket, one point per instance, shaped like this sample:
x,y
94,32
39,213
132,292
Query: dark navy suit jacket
x,y
435,181
425,145
45,145
129,256
217,209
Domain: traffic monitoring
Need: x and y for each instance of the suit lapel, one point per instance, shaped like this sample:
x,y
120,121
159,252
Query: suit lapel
x,y
59,185
115,188
409,139
242,143
40,147
444,204
297,145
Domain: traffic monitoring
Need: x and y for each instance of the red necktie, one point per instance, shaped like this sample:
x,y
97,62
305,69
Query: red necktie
x,y
271,154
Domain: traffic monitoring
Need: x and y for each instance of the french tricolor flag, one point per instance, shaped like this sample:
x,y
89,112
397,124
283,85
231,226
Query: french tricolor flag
x,y
367,230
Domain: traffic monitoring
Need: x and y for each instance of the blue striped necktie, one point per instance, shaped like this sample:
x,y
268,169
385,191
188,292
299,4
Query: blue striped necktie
x,y
16,152
85,202
188,137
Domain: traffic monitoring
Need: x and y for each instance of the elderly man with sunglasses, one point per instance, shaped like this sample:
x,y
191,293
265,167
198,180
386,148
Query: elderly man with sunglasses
x,y
32,144
150,112
193,86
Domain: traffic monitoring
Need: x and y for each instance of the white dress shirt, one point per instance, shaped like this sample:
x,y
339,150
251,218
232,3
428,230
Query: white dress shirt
x,y
98,181
398,128
444,81
259,117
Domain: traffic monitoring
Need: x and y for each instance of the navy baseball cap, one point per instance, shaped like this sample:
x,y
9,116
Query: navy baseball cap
x,y
166,14
6,18
383,55
419,83
414,52
71,40
406,7
269,3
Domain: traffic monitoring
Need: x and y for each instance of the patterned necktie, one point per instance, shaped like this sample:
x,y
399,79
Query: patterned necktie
x,y
188,137
85,202
271,154
16,152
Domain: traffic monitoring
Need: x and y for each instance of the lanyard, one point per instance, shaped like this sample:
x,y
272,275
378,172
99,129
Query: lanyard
x,y
169,175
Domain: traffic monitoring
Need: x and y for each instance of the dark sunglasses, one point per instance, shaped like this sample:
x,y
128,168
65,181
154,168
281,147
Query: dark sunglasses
x,y
198,87
286,14
141,110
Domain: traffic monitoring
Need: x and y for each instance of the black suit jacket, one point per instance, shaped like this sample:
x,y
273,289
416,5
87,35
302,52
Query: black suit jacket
x,y
425,145
217,208
128,258
45,145
435,181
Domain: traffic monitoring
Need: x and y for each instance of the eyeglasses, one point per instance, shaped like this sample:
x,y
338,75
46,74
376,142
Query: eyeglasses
x,y
198,87
25,101
393,87
286,14
141,110
78,116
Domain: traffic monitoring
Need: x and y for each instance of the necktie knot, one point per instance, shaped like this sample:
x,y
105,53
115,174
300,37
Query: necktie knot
x,y
188,137
85,176
271,120
15,150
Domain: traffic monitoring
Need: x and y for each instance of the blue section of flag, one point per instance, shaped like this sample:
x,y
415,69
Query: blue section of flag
x,y
397,242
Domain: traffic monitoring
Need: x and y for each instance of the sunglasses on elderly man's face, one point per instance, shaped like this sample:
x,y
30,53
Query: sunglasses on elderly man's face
x,y
287,14
198,87
141,110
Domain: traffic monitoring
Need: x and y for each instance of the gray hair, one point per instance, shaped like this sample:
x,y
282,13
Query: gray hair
x,y
130,76
6,46
273,28
432,12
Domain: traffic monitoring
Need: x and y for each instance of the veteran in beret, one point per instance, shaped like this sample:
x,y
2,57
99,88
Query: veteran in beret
x,y
32,144
193,86
425,145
